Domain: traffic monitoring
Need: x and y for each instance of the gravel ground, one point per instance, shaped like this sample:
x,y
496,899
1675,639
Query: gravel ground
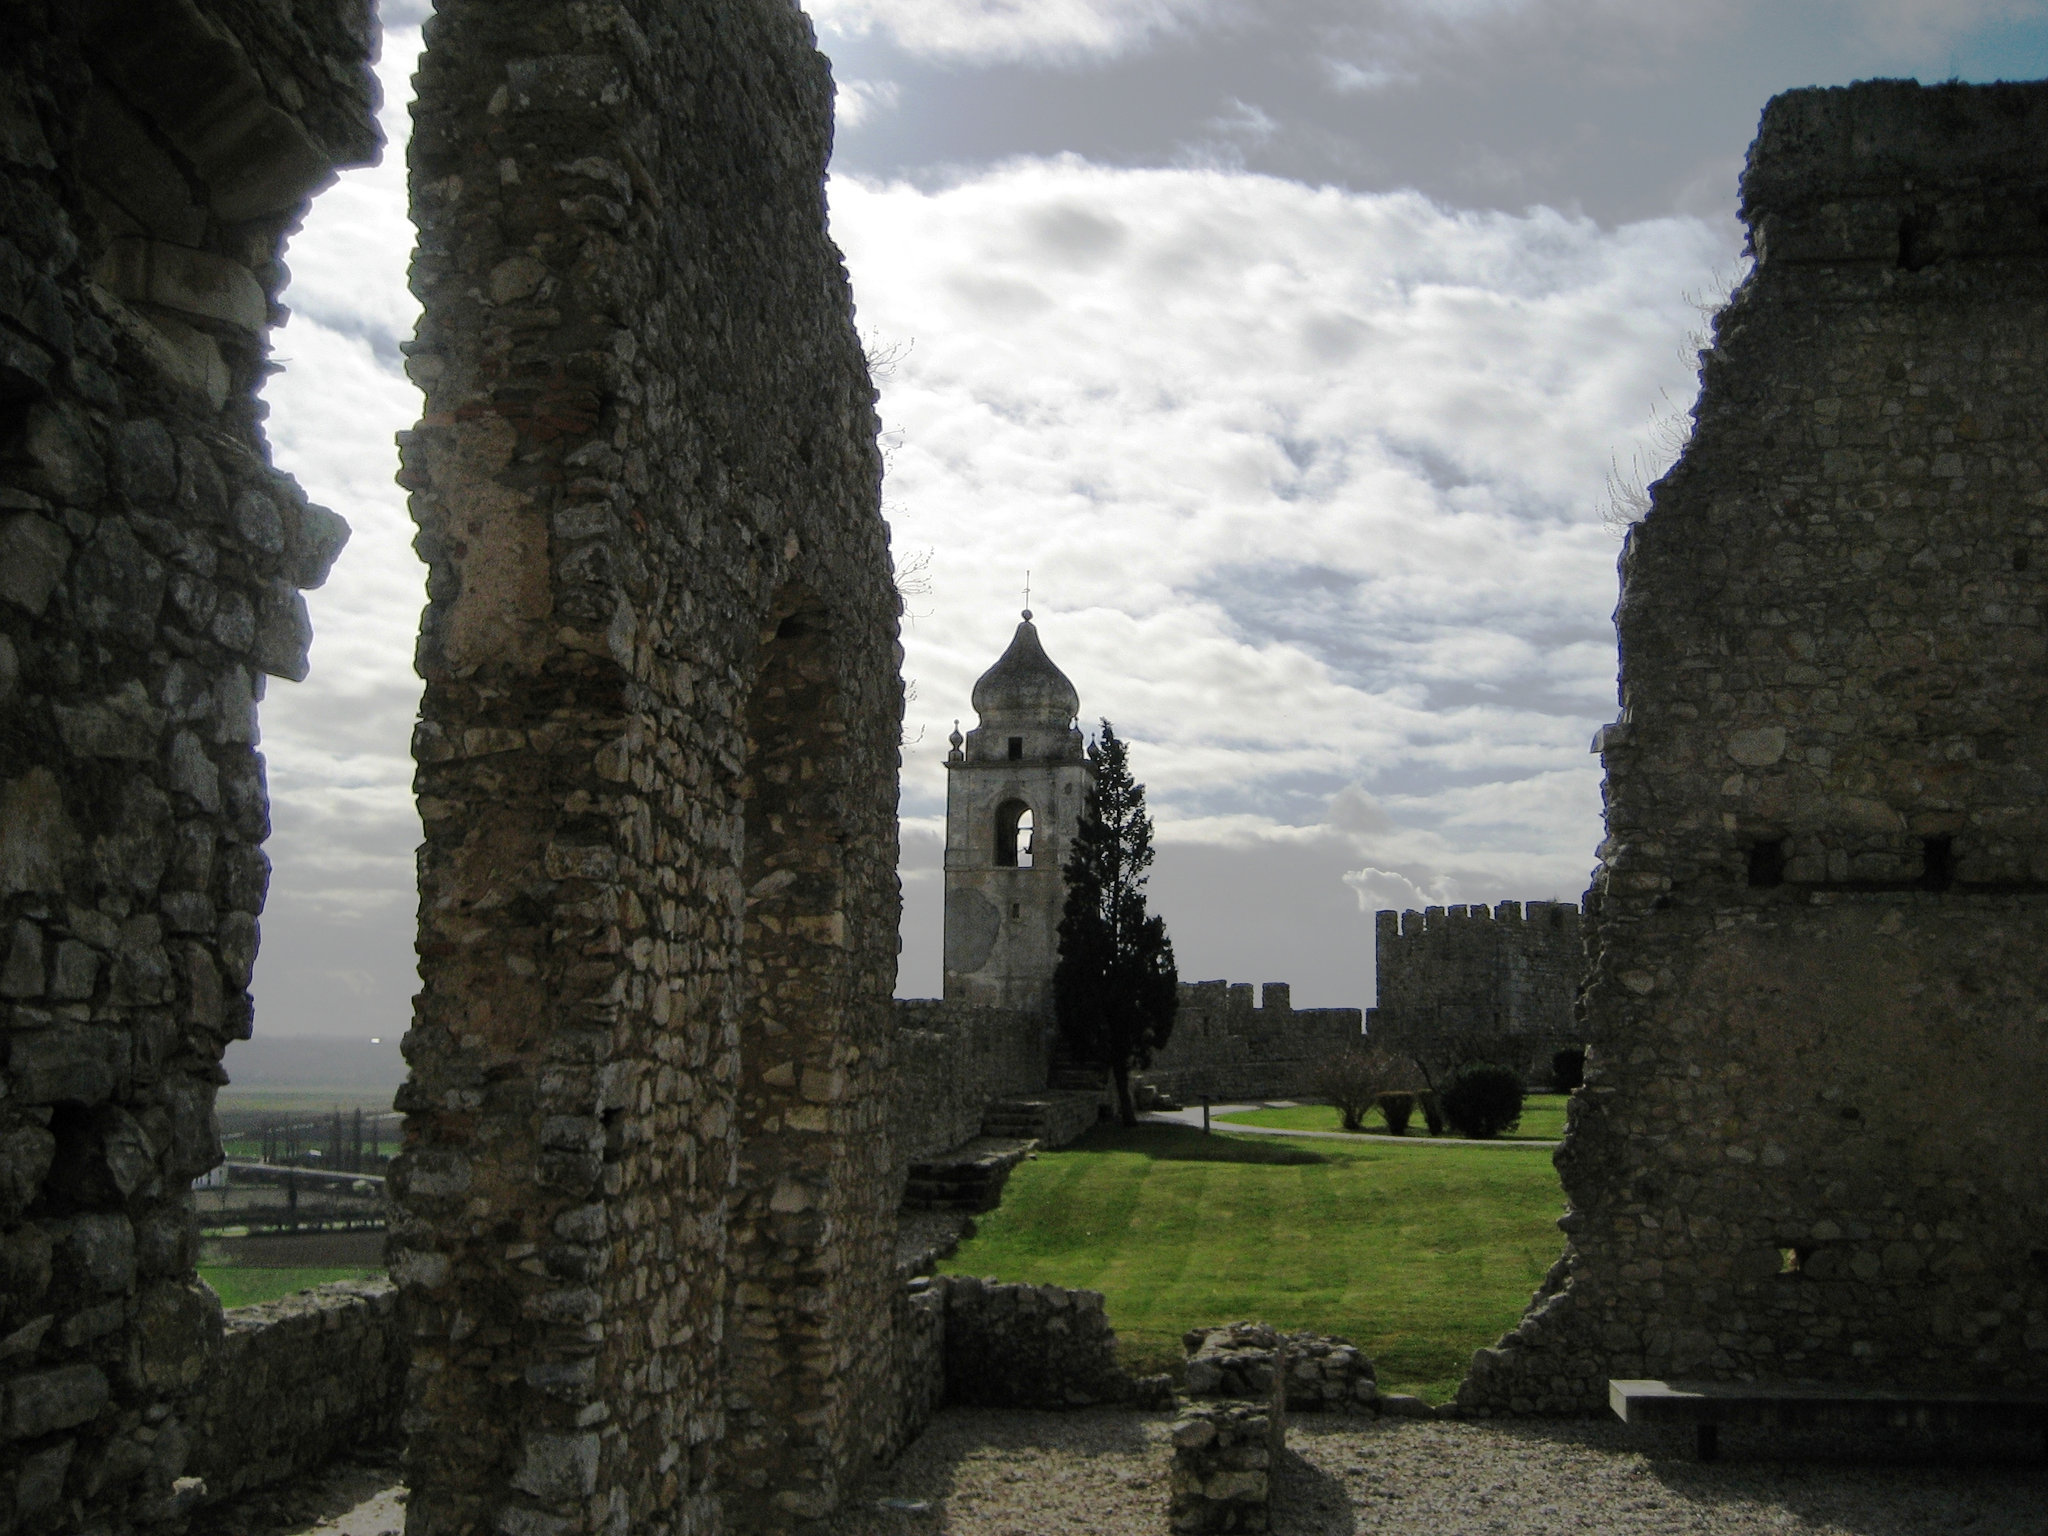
x,y
1103,1473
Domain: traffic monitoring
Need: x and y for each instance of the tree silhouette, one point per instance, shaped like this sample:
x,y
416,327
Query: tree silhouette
x,y
1115,990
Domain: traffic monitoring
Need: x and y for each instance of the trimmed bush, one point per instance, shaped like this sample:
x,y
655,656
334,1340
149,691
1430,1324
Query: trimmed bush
x,y
1482,1101
1568,1068
1432,1111
1396,1108
1351,1079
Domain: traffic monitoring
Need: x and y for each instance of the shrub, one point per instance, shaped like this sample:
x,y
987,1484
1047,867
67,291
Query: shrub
x,y
1568,1068
1432,1111
1396,1108
1352,1080
1482,1101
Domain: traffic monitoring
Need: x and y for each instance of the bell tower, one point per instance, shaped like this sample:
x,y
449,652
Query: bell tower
x,y
1015,789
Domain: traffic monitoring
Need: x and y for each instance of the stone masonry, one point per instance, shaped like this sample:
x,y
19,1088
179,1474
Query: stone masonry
x,y
1226,1048
644,1220
1812,1145
953,1060
296,1382
1509,975
154,154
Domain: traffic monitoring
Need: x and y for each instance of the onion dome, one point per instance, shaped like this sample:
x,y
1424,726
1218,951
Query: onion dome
x,y
1024,686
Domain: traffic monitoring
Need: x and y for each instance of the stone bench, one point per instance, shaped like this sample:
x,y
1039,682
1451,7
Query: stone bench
x,y
1706,1406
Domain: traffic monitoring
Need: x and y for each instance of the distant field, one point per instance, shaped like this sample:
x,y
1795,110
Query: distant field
x,y
309,1102
239,1287
1419,1254
1542,1119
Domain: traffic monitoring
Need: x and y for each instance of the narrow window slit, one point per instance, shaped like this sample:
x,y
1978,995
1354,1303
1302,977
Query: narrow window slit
x,y
1938,863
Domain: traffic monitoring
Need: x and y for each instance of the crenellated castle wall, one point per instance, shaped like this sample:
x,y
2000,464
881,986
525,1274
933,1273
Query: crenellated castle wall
x,y
1226,1047
1507,975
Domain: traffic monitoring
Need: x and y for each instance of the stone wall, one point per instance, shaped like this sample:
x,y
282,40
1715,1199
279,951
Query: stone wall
x,y
1812,1144
1226,1048
644,1213
1030,1346
154,154
1466,974
297,1382
955,1059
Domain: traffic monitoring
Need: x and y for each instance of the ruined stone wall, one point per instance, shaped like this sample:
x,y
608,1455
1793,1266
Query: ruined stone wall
x,y
644,1217
296,1382
1812,1144
1226,1048
153,156
952,1061
1508,975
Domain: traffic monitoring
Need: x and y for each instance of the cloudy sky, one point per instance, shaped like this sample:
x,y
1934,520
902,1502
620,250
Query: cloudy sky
x,y
1290,345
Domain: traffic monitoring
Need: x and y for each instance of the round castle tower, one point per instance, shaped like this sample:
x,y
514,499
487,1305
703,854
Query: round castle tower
x,y
1016,786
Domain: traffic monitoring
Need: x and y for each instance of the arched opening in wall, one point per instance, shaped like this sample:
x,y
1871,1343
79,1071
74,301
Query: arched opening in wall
x,y
1013,835
795,978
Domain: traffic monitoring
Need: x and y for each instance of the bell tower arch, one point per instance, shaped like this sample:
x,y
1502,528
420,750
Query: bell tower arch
x,y
1015,789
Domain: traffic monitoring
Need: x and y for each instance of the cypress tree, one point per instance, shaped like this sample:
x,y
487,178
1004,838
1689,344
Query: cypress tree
x,y
1115,991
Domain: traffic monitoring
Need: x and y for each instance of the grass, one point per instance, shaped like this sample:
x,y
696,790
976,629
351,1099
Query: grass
x,y
1542,1119
1418,1254
240,1286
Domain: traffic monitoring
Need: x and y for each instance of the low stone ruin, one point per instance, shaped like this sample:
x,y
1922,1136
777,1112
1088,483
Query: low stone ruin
x,y
1324,1374
1223,1454
1242,1379
1033,1346
1231,1430
1329,1375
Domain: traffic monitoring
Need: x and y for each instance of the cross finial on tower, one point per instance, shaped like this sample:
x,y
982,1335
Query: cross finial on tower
x,y
1027,595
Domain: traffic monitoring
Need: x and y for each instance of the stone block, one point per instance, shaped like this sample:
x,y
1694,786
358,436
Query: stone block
x,y
96,1252
21,974
25,1155
66,1064
33,555
46,1401
191,281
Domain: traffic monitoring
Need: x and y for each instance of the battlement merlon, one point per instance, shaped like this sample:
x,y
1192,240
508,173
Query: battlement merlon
x,y
1436,921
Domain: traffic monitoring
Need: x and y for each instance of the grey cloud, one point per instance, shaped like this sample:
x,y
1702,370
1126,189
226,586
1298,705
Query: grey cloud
x,y
1625,111
1077,236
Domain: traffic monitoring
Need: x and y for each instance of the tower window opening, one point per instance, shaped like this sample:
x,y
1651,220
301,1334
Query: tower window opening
x,y
1016,749
1013,835
1937,863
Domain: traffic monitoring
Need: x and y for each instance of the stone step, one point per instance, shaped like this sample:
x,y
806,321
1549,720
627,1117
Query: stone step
x,y
967,1180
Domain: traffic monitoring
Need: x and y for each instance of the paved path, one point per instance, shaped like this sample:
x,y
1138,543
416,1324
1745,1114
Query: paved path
x,y
1194,1117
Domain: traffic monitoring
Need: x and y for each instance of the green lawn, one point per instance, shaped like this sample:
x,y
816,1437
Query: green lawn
x,y
1542,1119
1419,1254
240,1286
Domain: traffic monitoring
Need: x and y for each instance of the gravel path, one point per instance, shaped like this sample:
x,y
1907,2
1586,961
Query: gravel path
x,y
1103,1473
